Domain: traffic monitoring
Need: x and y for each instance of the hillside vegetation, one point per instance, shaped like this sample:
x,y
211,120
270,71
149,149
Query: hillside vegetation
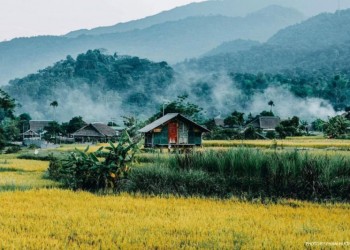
x,y
93,84
170,41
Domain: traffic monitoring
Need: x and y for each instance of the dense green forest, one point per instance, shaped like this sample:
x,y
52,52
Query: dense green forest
x,y
100,87
92,84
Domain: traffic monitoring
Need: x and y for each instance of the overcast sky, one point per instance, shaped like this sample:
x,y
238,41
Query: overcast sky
x,y
20,18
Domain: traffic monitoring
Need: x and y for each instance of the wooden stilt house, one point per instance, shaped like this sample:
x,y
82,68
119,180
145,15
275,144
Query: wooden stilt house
x,y
175,130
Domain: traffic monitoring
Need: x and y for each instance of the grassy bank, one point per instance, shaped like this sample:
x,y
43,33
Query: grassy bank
x,y
246,172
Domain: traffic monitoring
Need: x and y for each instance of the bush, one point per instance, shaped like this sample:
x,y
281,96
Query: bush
x,y
82,170
13,149
247,172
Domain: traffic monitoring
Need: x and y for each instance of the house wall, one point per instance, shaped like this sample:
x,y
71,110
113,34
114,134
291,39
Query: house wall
x,y
185,134
194,136
161,137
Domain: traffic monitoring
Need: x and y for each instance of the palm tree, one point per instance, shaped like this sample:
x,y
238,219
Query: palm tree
x,y
54,104
271,103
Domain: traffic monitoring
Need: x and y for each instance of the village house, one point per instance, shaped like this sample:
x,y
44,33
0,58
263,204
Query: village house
x,y
36,129
175,130
265,123
95,132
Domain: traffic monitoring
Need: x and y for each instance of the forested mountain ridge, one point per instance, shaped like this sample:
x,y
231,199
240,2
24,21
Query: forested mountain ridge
x,y
232,47
232,8
100,87
319,43
93,85
169,41
315,33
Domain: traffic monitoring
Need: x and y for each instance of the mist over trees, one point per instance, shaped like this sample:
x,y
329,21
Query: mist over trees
x,y
307,79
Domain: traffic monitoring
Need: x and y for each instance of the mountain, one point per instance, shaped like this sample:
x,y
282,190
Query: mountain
x,y
315,33
170,41
93,85
232,47
232,8
101,87
321,42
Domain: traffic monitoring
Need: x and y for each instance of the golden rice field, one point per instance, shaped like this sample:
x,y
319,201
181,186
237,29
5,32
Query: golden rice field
x,y
71,147
303,142
61,219
23,174
43,218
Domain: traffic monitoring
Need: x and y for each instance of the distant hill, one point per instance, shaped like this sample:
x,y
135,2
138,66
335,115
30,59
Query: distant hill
x,y
322,42
315,33
102,87
232,8
232,47
95,86
170,41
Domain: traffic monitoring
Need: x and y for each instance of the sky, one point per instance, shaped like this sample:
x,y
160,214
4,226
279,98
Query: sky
x,y
23,18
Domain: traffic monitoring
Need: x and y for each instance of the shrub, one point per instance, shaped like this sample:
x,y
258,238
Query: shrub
x,y
247,172
13,149
83,170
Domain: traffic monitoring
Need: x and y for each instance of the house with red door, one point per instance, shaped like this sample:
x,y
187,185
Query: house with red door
x,y
175,130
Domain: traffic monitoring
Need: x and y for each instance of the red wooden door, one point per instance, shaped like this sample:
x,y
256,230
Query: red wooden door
x,y
172,132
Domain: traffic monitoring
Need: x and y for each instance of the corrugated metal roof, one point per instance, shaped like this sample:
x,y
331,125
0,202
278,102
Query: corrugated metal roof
x,y
158,122
165,119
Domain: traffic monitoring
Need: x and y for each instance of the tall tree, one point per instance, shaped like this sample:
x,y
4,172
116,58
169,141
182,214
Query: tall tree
x,y
271,104
54,104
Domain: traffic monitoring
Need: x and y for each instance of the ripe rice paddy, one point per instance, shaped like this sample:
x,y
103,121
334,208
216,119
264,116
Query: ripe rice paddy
x,y
302,142
49,218
56,219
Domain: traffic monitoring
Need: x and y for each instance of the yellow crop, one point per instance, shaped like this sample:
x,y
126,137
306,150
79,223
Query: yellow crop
x,y
23,174
58,219
72,147
24,165
303,142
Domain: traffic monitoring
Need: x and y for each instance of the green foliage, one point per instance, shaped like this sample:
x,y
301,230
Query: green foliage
x,y
132,125
7,105
180,105
83,170
224,134
23,122
52,131
267,113
318,125
235,119
250,133
131,81
336,126
289,127
13,149
247,172
75,124
8,126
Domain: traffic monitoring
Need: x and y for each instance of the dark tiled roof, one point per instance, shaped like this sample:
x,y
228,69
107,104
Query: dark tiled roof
x,y
30,133
95,130
167,118
104,129
38,126
219,122
266,122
